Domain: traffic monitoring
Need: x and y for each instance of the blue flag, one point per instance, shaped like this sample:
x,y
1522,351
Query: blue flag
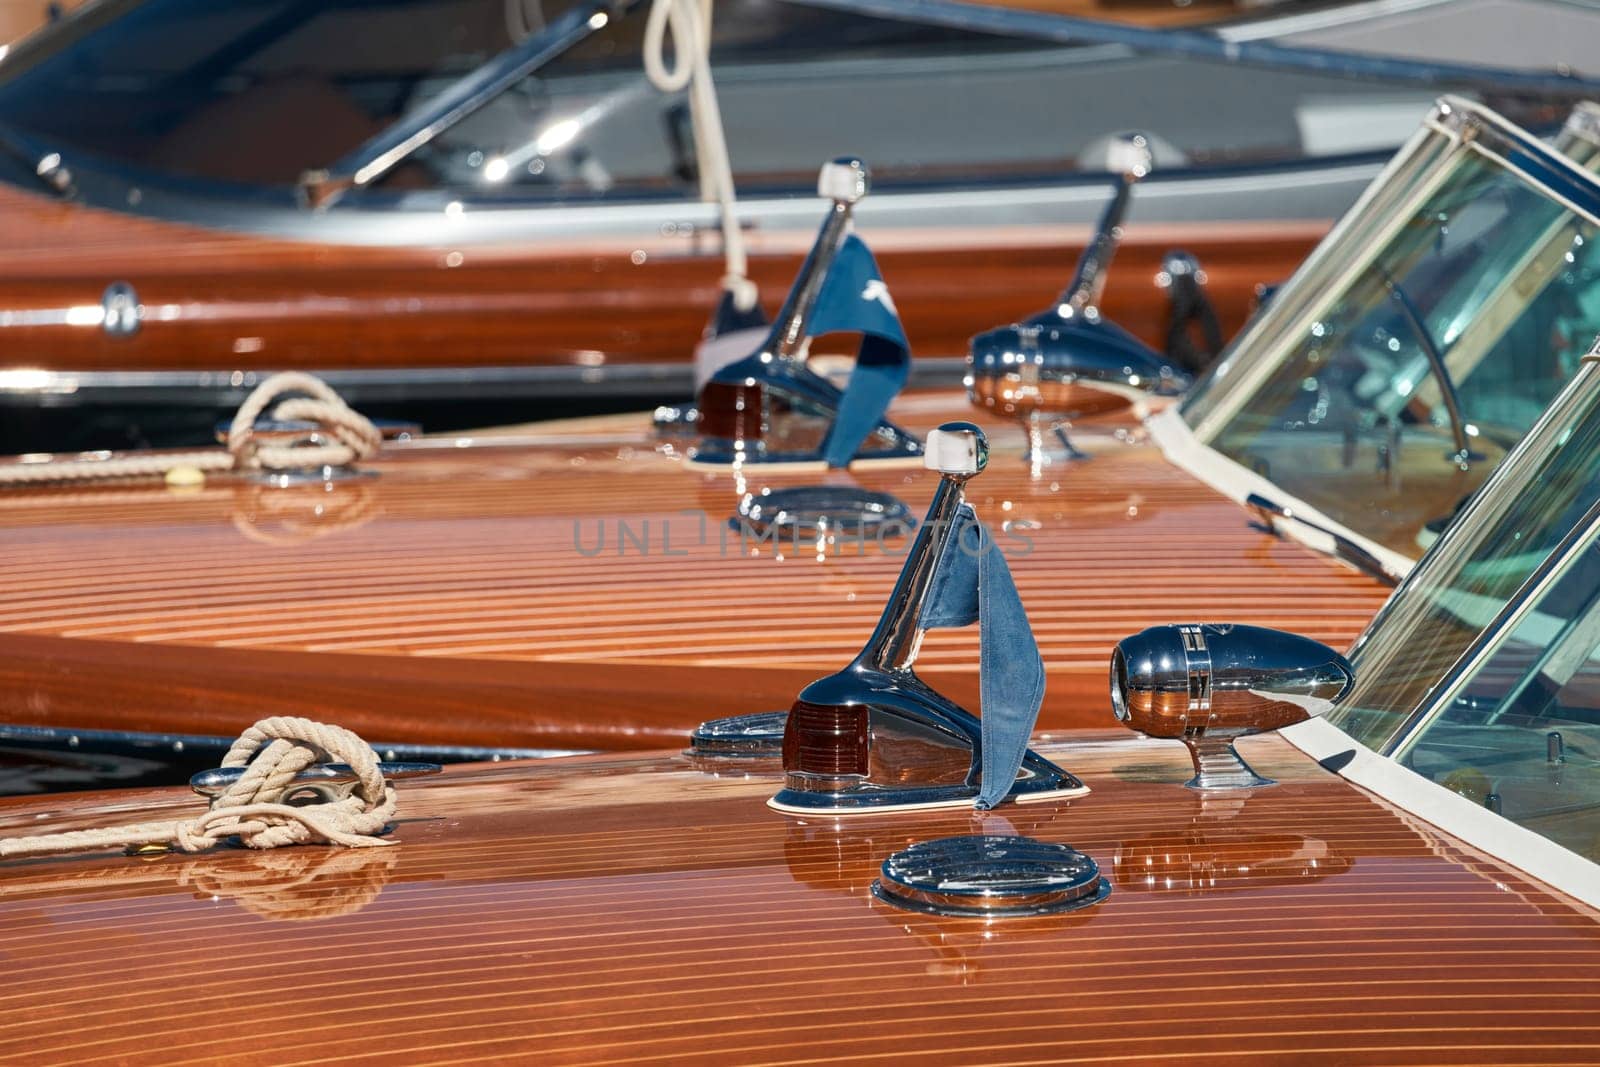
x,y
971,583
854,299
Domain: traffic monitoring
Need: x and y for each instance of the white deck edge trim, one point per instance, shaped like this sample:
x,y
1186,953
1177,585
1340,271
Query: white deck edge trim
x,y
1183,449
1535,856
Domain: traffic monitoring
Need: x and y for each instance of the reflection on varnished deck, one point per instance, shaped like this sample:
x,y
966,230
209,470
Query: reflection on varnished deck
x,y
603,909
585,592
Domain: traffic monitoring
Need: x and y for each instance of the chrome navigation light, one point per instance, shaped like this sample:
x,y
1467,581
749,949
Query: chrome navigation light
x,y
746,412
875,736
1069,361
1208,685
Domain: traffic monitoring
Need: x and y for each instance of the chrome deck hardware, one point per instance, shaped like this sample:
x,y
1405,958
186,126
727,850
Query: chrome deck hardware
x,y
740,408
824,513
755,736
1068,361
296,432
989,876
120,310
875,736
1209,685
323,781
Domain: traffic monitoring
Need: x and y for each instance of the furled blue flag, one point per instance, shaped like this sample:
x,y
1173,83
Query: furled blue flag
x,y
971,582
854,299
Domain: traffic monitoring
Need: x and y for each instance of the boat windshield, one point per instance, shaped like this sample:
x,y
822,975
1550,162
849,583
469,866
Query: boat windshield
x,y
1520,730
1476,570
1389,376
258,92
1483,671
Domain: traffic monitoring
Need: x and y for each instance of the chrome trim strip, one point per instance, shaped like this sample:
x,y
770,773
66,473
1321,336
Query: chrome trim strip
x,y
68,739
1206,45
1455,815
1304,190
209,388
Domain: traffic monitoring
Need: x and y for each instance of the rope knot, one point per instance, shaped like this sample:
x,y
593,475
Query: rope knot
x,y
264,807
261,808
343,435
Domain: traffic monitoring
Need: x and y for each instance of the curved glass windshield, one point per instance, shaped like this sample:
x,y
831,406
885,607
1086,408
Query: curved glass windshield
x,y
1483,671
1414,354
1521,732
260,91
1459,589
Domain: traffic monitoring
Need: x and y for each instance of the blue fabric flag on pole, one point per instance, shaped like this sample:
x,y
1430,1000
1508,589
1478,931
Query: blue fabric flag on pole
x,y
971,583
854,299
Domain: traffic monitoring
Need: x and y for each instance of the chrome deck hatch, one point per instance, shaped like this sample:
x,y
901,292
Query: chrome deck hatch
x,y
990,876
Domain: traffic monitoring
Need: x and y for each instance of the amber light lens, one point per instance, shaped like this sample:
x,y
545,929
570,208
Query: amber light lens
x,y
730,410
826,740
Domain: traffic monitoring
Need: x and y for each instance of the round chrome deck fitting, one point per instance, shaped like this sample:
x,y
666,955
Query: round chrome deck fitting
x,y
753,736
824,509
990,876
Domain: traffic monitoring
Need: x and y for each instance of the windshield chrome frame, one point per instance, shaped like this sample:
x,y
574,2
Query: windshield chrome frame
x,y
1522,603
1428,160
1455,127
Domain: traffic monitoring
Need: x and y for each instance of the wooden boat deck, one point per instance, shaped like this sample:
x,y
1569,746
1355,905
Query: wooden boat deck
x,y
451,598
609,909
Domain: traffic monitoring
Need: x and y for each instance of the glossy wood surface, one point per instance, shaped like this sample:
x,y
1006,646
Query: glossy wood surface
x,y
221,302
606,910
465,594
21,17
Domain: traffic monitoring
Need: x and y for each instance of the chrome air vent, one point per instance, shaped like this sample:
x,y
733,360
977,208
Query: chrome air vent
x,y
986,875
741,737
807,511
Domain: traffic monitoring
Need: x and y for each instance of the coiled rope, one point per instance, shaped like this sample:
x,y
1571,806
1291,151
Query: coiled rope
x,y
252,808
690,22
347,436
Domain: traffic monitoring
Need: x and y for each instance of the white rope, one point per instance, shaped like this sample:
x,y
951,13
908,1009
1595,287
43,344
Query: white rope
x,y
271,752
350,436
690,22
353,435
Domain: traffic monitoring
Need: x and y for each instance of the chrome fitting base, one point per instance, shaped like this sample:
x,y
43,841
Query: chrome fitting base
x,y
1040,780
310,476
1218,765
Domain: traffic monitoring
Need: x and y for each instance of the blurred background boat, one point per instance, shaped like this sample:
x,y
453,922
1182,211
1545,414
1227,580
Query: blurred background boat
x,y
544,246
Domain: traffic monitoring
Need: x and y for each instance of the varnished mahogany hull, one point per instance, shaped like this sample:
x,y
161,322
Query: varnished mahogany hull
x,y
581,590
223,302
604,910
